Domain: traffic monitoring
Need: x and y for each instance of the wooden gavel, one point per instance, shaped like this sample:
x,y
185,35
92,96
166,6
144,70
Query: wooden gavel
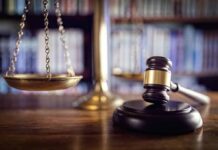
x,y
157,82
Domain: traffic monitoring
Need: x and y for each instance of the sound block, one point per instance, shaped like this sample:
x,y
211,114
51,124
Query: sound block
x,y
170,118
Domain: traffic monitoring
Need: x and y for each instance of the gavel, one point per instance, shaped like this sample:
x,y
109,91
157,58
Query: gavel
x,y
157,82
161,115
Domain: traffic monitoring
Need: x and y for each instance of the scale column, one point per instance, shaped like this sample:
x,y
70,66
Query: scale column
x,y
100,97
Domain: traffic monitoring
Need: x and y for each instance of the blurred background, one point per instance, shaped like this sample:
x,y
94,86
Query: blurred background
x,y
186,31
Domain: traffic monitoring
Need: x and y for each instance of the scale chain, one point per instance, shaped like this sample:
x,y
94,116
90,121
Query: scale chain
x,y
12,68
47,49
61,30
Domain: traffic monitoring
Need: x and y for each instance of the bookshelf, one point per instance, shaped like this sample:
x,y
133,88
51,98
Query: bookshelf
x,y
77,17
183,30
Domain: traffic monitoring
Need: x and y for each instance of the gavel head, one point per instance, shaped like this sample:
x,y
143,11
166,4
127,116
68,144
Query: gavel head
x,y
157,79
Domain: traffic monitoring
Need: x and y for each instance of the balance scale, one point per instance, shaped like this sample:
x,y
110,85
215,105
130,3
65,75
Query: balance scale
x,y
49,81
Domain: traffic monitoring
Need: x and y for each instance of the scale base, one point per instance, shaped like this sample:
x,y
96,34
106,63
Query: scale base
x,y
170,118
98,99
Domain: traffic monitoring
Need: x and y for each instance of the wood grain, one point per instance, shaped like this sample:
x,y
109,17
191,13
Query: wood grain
x,y
49,122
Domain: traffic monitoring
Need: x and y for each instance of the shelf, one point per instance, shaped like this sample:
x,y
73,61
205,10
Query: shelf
x,y
36,21
165,19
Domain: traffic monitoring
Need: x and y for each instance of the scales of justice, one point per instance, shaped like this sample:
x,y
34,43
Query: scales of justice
x,y
161,115
100,97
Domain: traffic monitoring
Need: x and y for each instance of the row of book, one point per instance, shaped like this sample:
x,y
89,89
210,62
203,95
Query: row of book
x,y
31,58
32,54
68,7
163,8
191,50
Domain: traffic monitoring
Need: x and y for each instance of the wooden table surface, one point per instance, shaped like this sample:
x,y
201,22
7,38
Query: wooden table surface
x,y
49,122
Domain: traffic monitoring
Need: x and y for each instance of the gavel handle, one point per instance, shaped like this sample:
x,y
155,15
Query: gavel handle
x,y
198,97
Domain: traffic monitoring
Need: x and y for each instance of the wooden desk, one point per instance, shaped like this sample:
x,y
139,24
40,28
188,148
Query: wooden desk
x,y
47,122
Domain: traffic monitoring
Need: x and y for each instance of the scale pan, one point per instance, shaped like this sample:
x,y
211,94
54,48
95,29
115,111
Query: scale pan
x,y
36,82
129,76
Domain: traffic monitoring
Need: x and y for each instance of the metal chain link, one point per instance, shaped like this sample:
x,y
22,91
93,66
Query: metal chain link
x,y
61,30
13,60
47,49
